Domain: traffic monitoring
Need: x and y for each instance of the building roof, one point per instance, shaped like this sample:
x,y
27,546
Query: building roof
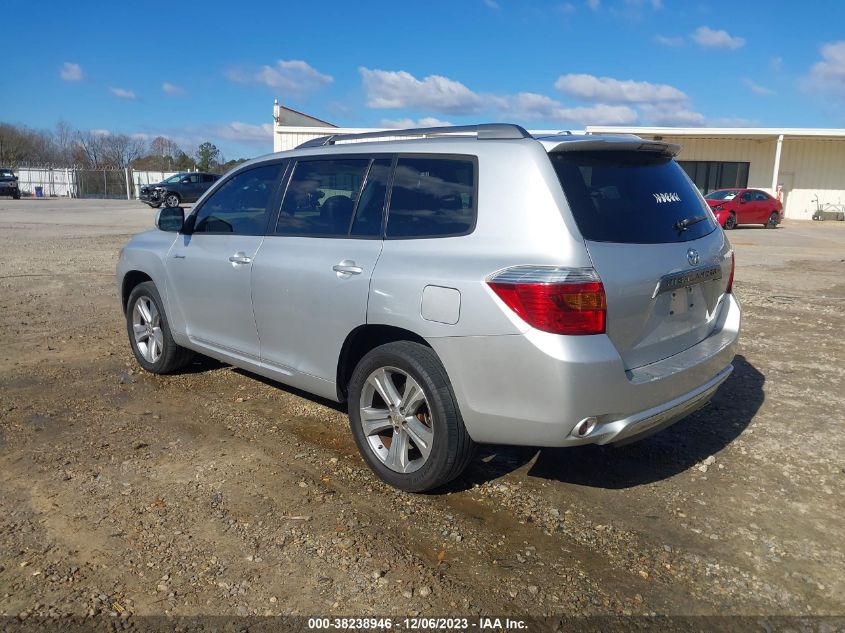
x,y
288,117
713,132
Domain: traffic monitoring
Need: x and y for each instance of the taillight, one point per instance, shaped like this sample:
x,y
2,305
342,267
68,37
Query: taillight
x,y
552,299
731,277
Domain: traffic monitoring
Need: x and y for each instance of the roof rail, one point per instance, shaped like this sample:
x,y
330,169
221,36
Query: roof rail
x,y
481,131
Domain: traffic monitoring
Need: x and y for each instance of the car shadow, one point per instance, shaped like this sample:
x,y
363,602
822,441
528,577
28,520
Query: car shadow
x,y
656,457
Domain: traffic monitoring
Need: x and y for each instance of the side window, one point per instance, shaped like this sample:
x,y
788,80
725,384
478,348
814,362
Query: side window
x,y
432,197
321,197
746,196
370,210
194,178
208,178
240,205
759,196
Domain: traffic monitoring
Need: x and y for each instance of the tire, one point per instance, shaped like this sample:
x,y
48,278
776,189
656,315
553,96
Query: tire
x,y
172,200
171,357
730,222
154,205
435,419
772,222
16,196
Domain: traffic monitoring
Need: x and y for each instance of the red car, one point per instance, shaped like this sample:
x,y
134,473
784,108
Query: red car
x,y
745,206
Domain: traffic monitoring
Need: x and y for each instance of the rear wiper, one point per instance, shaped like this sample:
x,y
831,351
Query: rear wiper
x,y
683,225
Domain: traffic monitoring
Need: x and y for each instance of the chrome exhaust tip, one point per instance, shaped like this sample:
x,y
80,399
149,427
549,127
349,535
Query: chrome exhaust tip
x,y
585,427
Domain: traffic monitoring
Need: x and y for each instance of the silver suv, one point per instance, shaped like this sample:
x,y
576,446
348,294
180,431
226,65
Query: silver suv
x,y
454,285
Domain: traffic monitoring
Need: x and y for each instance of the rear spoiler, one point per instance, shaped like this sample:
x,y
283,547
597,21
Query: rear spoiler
x,y
624,144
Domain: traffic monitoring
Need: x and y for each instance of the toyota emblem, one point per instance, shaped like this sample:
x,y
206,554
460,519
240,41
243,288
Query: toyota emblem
x,y
692,257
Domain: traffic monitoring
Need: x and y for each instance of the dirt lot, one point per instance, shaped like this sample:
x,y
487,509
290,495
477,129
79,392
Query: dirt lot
x,y
217,492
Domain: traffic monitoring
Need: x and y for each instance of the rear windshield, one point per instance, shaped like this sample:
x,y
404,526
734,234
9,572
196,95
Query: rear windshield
x,y
631,197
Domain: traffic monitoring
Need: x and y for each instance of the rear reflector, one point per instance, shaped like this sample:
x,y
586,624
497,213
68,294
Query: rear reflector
x,y
731,278
552,299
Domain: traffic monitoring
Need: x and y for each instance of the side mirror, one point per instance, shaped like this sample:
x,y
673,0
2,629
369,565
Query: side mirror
x,y
170,219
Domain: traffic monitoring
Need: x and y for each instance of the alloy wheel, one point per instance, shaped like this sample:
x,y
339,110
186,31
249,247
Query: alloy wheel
x,y
396,419
146,329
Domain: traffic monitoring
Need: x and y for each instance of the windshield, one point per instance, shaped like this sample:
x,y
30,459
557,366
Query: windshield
x,y
173,179
725,194
631,197
6,173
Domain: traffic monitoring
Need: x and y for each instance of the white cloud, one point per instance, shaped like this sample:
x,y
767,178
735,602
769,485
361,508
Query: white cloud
x,y
776,63
71,72
292,77
828,75
123,93
100,132
400,89
492,4
669,40
710,38
172,89
609,90
261,135
531,106
399,124
594,4
672,114
566,8
756,88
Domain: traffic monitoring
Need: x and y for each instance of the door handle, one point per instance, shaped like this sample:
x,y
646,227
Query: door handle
x,y
346,268
240,258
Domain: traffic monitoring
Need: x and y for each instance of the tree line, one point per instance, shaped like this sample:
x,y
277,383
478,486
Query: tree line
x,y
65,146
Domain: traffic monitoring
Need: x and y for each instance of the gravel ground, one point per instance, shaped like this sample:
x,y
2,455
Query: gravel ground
x,y
218,492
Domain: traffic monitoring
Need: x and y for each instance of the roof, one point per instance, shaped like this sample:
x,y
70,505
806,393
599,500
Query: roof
x,y
294,118
711,132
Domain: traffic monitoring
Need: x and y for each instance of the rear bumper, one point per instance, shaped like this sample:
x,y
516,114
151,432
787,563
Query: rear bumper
x,y
534,389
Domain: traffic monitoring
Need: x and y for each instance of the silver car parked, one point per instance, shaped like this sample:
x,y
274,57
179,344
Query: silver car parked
x,y
454,285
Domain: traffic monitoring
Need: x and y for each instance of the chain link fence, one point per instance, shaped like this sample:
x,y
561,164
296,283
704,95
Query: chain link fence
x,y
115,183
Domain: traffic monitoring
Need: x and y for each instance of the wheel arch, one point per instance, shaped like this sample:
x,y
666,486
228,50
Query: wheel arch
x,y
131,280
359,342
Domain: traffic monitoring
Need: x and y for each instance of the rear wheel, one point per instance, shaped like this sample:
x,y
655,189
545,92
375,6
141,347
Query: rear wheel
x,y
772,221
405,419
172,200
16,195
149,332
730,222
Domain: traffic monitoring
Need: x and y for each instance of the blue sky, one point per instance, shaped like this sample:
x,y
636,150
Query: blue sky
x,y
210,71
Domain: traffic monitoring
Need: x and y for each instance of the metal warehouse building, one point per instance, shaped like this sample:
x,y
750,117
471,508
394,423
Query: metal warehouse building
x,y
804,166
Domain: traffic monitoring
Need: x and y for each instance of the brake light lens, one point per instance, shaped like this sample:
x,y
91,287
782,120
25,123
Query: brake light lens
x,y
553,299
731,277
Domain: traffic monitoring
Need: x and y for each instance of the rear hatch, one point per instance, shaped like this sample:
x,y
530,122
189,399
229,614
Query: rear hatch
x,y
652,239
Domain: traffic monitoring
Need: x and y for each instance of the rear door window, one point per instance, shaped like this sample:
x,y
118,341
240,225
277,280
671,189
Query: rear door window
x,y
321,197
432,197
632,197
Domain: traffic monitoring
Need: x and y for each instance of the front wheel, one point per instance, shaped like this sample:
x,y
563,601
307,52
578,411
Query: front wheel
x,y
772,222
730,222
16,196
171,200
149,332
405,419
154,205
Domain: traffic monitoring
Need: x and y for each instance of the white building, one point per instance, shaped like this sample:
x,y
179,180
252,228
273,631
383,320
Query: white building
x,y
802,165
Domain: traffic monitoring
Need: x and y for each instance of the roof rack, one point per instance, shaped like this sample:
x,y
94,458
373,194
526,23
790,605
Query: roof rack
x,y
481,131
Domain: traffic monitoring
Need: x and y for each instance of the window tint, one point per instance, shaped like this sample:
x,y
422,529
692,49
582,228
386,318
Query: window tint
x,y
632,197
240,205
746,196
321,197
759,196
209,178
370,211
432,197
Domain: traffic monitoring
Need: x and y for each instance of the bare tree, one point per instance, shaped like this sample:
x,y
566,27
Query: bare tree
x,y
121,149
